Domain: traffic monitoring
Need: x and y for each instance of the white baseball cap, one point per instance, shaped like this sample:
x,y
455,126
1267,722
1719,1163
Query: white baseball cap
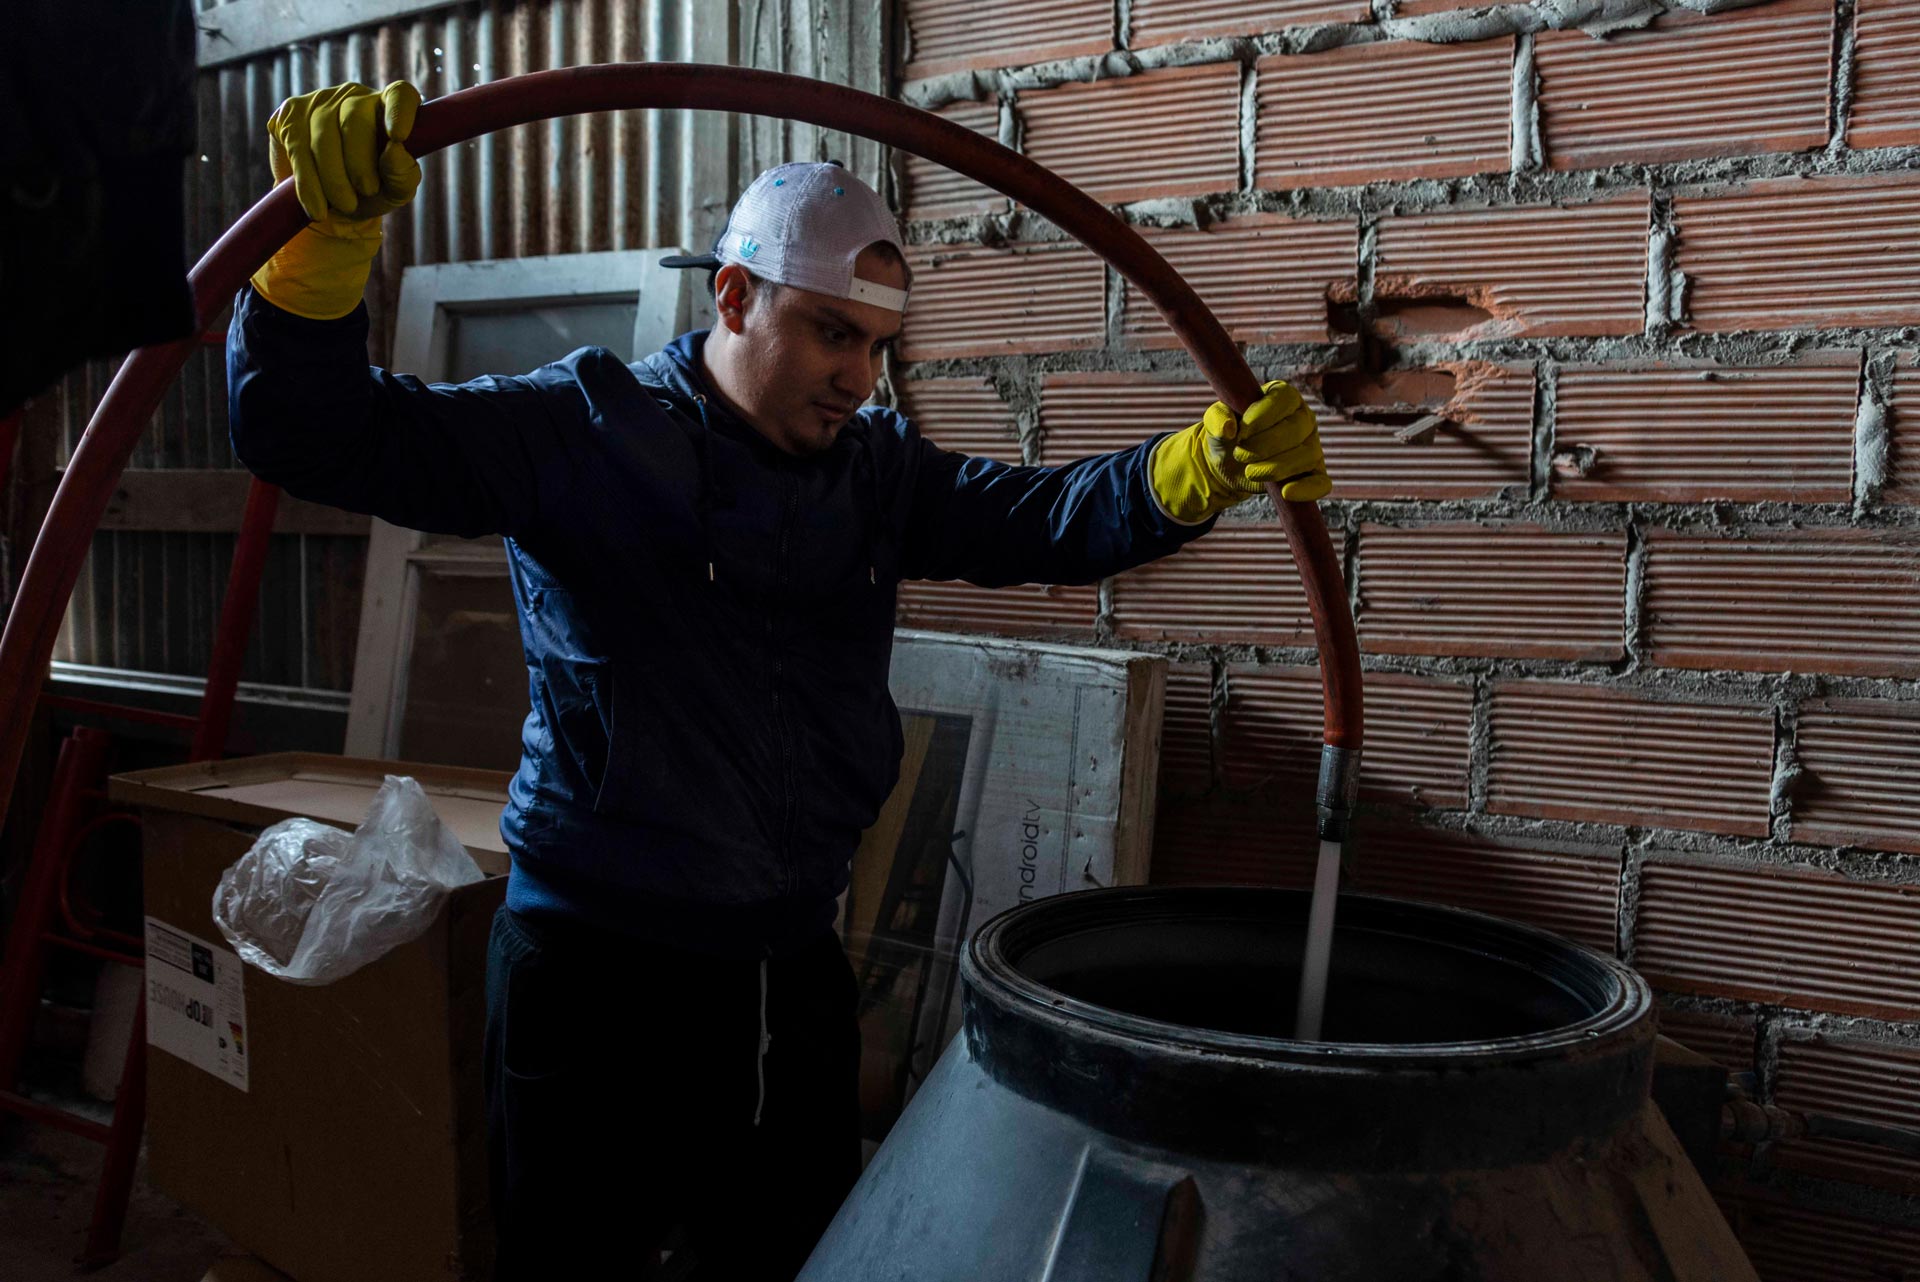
x,y
803,224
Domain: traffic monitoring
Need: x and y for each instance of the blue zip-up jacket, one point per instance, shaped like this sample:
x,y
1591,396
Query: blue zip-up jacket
x,y
707,620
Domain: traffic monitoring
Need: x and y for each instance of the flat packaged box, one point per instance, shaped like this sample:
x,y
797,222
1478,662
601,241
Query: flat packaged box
x,y
336,1132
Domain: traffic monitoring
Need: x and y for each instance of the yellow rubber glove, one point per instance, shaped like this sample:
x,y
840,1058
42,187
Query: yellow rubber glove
x,y
328,142
1223,460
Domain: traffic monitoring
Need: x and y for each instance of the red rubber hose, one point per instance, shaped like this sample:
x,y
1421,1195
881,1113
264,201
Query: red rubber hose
x,y
54,565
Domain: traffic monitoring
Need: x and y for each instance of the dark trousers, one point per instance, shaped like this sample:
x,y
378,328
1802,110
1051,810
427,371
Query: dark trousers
x,y
628,1093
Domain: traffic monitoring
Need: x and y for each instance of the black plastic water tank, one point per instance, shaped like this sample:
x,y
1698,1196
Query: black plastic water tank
x,y
1123,1104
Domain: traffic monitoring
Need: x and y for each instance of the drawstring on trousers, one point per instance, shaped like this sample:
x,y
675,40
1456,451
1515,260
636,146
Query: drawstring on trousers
x,y
766,1040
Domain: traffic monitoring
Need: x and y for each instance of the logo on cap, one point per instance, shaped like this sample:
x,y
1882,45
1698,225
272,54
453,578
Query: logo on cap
x,y
748,247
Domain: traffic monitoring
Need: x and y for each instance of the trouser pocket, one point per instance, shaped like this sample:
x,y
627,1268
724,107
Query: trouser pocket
x,y
559,1118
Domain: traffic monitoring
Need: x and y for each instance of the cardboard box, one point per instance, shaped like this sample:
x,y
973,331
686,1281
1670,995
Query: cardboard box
x,y
1029,770
336,1132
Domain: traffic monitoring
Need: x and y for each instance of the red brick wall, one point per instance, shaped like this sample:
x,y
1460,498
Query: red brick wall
x,y
1642,616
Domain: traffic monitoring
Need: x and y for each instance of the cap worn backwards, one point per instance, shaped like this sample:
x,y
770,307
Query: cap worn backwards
x,y
804,224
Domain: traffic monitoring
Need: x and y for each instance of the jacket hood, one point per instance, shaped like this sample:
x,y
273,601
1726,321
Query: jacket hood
x,y
675,369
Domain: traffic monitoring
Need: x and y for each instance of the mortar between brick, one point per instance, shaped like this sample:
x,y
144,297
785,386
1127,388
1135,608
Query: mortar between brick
x,y
1524,140
1840,83
1597,17
1872,432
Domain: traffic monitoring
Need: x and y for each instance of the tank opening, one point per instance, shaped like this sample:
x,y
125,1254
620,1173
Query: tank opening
x,y
1386,986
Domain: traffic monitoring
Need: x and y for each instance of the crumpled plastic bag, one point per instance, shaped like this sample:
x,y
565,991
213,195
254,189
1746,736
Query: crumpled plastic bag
x,y
311,903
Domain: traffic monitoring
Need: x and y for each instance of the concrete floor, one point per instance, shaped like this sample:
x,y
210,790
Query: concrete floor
x,y
47,1180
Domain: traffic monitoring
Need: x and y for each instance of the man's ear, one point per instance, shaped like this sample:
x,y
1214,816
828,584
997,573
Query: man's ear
x,y
732,293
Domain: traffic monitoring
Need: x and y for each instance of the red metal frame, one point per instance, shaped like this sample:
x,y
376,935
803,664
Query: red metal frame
x,y
83,758
46,919
210,727
80,934
236,611
236,622
81,763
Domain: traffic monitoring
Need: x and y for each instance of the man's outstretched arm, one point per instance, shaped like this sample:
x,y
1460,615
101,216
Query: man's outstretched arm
x,y
996,524
307,413
304,409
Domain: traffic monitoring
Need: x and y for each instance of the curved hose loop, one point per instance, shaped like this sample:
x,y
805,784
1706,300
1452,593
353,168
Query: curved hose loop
x,y
54,566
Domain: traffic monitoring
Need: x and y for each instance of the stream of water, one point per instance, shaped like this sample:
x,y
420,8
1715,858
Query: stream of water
x,y
1313,975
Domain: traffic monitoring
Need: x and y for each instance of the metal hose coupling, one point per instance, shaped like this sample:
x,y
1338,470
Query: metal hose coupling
x,y
1339,789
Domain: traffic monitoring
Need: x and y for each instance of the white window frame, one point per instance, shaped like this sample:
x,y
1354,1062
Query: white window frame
x,y
430,296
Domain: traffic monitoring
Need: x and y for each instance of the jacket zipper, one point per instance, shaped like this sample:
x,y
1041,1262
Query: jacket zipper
x,y
789,795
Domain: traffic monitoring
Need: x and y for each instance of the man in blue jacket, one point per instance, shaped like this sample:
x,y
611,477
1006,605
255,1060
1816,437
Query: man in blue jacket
x,y
705,548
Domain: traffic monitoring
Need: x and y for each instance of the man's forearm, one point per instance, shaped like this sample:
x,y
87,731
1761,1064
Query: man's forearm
x,y
308,414
996,525
299,407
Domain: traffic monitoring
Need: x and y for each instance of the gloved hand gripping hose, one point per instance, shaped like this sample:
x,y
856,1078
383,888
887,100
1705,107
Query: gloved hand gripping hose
x,y
94,472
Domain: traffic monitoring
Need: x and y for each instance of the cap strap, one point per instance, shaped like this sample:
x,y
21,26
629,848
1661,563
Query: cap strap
x,y
866,291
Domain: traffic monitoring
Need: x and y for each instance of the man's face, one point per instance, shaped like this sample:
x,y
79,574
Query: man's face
x,y
805,361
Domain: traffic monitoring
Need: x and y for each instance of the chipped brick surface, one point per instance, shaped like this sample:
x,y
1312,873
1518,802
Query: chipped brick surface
x,y
1028,610
1513,273
1265,276
1461,588
1166,133
1417,746
1570,889
1782,434
1237,584
1802,252
1860,1081
1158,22
1314,129
1593,755
972,301
965,415
1692,86
1886,87
934,191
1838,601
1860,781
1481,448
1805,939
959,35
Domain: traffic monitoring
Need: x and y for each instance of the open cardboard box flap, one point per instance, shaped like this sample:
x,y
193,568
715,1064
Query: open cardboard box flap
x,y
337,790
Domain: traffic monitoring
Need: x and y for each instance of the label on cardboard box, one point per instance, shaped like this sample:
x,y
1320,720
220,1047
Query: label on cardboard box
x,y
196,1009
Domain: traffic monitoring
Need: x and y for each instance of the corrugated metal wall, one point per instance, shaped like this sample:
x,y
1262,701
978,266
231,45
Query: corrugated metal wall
x,y
147,599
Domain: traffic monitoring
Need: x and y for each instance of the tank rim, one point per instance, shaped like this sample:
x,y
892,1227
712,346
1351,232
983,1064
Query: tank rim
x,y
1623,1001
